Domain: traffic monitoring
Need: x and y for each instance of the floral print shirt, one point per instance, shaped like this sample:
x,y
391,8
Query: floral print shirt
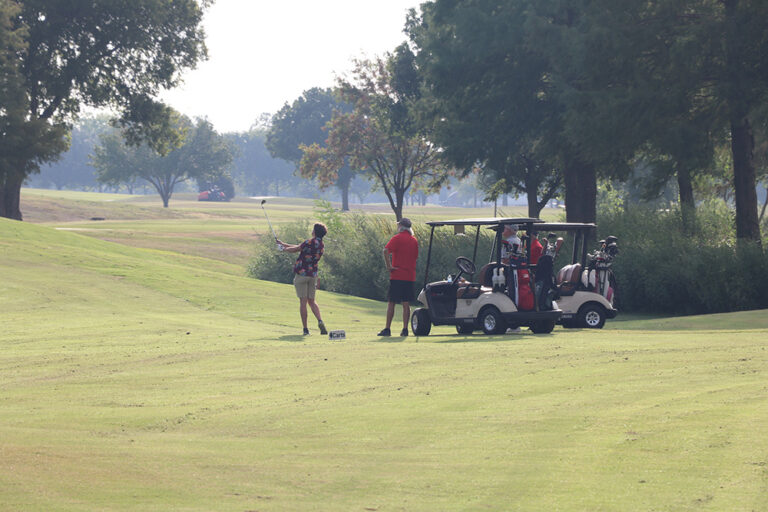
x,y
309,255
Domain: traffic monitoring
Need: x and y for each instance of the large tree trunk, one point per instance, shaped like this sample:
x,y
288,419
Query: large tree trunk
x,y
687,203
744,180
742,139
343,182
580,192
532,196
10,196
345,198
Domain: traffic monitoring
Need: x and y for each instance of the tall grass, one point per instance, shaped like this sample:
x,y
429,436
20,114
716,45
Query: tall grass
x,y
663,269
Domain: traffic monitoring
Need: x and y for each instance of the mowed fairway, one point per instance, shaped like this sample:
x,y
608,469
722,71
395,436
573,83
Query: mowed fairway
x,y
141,379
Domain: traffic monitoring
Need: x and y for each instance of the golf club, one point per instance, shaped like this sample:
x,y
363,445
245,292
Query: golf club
x,y
279,246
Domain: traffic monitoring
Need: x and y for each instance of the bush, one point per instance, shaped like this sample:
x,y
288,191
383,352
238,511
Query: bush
x,y
272,265
661,269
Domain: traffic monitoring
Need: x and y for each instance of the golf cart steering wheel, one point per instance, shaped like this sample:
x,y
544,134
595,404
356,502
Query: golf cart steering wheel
x,y
465,266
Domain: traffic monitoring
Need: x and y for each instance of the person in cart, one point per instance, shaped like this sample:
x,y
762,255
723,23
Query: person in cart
x,y
511,245
536,248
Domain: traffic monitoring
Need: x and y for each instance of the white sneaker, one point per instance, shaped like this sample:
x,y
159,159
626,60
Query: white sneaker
x,y
516,330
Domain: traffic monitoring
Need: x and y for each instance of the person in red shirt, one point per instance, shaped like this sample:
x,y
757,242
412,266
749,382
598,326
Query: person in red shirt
x,y
536,248
400,255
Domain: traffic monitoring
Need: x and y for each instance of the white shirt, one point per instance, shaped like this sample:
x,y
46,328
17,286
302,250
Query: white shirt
x,y
515,244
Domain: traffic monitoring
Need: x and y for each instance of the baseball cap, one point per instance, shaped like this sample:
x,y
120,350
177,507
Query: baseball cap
x,y
405,222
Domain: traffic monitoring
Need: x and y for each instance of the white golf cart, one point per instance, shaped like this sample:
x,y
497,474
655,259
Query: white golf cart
x,y
493,303
585,288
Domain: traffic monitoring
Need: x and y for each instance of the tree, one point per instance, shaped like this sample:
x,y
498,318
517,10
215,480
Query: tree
x,y
381,135
687,74
99,53
494,102
24,142
303,123
203,155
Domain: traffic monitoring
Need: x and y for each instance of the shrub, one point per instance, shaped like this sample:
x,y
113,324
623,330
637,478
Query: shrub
x,y
272,265
661,269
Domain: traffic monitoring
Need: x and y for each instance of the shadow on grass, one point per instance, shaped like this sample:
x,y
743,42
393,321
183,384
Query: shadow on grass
x,y
390,339
293,337
372,306
485,338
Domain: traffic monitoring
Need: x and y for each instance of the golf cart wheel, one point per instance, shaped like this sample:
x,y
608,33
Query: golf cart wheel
x,y
543,326
491,321
592,316
421,324
465,328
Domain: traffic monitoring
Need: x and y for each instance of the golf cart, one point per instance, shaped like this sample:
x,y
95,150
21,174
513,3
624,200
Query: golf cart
x,y
499,297
585,288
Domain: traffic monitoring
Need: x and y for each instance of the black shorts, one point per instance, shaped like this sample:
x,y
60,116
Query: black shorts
x,y
400,291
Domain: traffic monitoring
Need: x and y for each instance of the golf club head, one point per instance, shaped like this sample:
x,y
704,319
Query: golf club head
x,y
263,201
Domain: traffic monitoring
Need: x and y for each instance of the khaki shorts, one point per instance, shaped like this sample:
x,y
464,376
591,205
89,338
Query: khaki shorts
x,y
305,286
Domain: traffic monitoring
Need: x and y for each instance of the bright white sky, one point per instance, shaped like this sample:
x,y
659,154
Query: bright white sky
x,y
264,53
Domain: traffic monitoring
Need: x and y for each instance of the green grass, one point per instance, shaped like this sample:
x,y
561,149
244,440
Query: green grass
x,y
742,320
143,379
221,231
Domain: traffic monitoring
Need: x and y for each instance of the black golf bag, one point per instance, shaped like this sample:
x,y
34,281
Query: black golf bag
x,y
545,281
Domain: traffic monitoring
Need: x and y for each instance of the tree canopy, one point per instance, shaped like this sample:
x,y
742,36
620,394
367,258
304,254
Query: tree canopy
x,y
98,53
587,86
494,102
303,122
381,135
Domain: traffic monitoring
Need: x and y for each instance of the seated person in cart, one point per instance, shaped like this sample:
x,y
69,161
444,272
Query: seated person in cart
x,y
511,245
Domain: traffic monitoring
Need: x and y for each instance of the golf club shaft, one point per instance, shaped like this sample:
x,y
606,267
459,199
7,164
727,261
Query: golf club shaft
x,y
268,222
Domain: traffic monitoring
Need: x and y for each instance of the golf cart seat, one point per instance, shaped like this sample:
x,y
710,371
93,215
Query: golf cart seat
x,y
568,279
485,275
469,291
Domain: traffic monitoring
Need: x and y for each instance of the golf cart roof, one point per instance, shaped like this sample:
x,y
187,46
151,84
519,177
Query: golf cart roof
x,y
488,221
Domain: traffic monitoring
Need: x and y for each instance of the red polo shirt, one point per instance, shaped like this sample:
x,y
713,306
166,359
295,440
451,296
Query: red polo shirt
x,y
405,251
536,250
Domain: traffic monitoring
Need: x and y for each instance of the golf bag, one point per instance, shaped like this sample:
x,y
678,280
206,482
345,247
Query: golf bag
x,y
524,299
519,284
545,281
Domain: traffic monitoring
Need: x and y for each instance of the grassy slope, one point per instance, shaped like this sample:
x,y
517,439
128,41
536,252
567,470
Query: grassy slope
x,y
107,403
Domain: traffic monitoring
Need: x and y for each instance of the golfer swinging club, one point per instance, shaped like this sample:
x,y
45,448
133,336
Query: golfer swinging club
x,y
400,255
305,269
